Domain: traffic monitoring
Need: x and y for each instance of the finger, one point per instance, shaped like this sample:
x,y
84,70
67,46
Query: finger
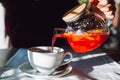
x,y
109,15
103,2
104,8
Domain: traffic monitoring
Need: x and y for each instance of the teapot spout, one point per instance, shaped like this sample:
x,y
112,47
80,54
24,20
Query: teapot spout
x,y
60,33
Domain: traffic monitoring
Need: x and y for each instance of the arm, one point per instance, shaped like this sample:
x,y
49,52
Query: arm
x,y
117,14
4,39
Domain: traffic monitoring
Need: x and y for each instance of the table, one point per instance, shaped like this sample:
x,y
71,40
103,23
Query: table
x,y
95,65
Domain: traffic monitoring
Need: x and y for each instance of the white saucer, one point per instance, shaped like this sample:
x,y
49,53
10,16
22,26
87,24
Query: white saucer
x,y
28,70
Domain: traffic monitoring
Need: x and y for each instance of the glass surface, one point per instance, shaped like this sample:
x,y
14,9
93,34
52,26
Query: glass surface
x,y
85,30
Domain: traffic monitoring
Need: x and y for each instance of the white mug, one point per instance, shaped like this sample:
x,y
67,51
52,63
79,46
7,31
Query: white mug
x,y
43,60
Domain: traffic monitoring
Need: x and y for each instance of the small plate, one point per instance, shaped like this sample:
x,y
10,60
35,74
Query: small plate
x,y
28,70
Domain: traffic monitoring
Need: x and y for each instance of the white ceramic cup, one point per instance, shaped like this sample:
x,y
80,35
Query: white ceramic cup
x,y
43,60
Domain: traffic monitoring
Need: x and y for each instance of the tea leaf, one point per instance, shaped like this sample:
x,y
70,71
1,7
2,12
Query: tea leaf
x,y
83,1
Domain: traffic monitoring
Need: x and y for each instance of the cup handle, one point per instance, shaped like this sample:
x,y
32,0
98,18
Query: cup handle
x,y
66,61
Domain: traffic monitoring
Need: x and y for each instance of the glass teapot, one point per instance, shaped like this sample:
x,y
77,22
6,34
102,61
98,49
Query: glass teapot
x,y
85,30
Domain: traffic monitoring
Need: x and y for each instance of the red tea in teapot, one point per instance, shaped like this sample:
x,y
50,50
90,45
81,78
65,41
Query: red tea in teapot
x,y
83,42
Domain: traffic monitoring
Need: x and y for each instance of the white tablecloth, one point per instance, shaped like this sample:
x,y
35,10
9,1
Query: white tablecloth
x,y
94,65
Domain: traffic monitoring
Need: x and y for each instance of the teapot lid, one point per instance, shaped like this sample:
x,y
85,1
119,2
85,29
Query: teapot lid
x,y
74,13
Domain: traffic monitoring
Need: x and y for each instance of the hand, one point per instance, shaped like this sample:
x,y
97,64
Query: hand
x,y
106,8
